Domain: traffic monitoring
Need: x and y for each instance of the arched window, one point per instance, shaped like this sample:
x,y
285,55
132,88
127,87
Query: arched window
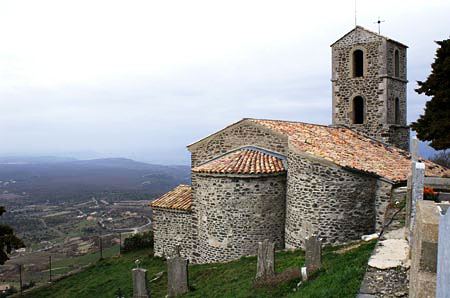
x,y
397,110
358,110
358,63
396,64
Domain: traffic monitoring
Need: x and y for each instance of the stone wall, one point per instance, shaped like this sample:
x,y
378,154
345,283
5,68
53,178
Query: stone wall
x,y
422,281
378,87
232,214
383,197
326,199
240,134
171,228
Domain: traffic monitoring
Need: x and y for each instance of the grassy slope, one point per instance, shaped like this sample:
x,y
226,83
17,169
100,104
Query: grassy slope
x,y
340,276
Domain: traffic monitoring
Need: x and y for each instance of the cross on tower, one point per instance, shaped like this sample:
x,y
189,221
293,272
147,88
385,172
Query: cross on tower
x,y
379,23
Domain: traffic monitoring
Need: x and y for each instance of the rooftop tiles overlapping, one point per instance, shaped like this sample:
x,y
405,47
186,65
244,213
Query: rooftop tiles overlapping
x,y
347,148
180,198
243,161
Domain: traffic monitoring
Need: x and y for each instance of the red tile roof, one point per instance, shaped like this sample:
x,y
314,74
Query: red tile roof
x,y
347,148
180,198
243,161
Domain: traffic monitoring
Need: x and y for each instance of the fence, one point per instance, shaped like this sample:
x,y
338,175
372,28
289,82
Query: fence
x,y
48,266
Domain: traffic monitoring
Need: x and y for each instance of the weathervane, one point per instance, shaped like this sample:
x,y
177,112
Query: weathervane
x,y
379,23
355,14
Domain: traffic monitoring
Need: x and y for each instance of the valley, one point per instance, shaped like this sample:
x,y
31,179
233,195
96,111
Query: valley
x,y
70,210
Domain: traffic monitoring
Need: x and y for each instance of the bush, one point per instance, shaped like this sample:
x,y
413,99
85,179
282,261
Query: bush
x,y
9,292
138,242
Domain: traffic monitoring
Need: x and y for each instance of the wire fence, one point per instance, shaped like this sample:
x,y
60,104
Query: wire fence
x,y
51,265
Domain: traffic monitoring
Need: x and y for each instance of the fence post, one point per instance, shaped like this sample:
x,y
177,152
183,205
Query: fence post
x,y
120,243
50,267
100,239
20,277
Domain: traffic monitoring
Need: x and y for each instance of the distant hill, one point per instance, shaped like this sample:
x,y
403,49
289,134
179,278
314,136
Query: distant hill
x,y
50,178
34,159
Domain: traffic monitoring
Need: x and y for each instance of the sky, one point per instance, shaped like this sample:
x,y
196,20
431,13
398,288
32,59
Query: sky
x,y
143,79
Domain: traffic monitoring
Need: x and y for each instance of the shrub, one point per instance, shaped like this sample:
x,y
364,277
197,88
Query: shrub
x,y
9,292
138,242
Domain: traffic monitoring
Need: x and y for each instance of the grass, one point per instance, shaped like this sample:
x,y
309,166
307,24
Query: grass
x,y
88,258
340,276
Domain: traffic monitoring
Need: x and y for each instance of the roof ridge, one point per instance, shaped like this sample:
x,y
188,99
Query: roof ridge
x,y
288,121
244,160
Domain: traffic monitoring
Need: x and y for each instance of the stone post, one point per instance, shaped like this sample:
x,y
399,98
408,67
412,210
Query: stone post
x,y
140,289
443,259
177,274
415,149
313,254
410,206
266,260
417,184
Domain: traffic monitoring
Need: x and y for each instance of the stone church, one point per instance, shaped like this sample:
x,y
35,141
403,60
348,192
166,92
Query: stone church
x,y
283,181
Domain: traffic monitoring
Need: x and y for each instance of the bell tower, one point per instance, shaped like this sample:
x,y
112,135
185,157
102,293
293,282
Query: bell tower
x,y
369,86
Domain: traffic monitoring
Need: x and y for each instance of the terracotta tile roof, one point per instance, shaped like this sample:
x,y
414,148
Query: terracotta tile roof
x,y
347,148
180,198
243,161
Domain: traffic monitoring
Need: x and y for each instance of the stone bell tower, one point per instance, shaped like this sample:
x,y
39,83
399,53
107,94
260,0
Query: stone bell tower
x,y
369,86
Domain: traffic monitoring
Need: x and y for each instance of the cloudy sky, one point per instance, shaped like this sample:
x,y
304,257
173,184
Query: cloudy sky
x,y
142,79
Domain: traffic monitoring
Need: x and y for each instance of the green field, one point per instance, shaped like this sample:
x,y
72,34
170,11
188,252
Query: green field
x,y
340,276
67,264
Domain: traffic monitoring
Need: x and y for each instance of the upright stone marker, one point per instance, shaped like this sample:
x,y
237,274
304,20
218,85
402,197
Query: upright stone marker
x,y
415,149
417,184
177,274
313,254
266,260
140,289
443,260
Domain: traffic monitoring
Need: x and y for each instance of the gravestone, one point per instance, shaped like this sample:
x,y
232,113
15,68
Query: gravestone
x,y
313,254
140,289
177,274
266,260
443,259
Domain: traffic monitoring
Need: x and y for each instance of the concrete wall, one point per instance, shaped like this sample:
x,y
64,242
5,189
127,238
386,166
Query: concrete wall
x,y
238,135
232,214
171,228
422,281
326,199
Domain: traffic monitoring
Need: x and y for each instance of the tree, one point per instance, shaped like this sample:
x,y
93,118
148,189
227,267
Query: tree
x,y
434,125
8,240
442,158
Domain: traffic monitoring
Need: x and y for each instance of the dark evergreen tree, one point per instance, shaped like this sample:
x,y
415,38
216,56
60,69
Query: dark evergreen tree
x,y
8,241
434,125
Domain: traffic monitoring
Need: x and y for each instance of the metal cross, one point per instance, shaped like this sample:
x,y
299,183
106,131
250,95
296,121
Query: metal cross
x,y
379,23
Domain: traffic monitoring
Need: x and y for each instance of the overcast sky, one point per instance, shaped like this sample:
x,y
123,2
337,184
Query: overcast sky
x,y
143,79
